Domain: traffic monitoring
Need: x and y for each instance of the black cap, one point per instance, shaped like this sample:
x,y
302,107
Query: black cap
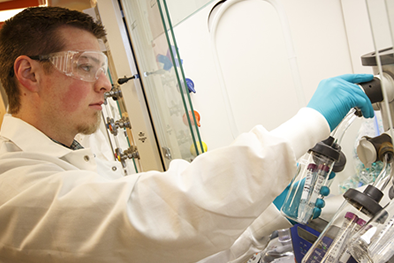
x,y
367,202
340,164
327,148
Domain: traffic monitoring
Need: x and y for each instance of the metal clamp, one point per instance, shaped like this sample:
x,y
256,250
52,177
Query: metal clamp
x,y
115,93
113,126
130,153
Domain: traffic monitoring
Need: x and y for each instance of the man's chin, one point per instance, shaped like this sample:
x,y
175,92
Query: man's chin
x,y
88,129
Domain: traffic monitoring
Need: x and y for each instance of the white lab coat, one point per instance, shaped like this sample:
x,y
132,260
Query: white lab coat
x,y
58,205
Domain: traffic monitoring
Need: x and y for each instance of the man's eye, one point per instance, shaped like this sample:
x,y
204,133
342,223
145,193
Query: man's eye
x,y
85,67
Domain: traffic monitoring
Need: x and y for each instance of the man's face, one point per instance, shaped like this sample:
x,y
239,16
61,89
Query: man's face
x,y
74,105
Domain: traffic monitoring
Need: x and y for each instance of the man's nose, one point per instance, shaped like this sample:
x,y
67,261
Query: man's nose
x,y
103,83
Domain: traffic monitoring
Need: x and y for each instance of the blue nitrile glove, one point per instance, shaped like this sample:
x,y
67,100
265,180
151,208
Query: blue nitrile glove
x,y
334,97
324,191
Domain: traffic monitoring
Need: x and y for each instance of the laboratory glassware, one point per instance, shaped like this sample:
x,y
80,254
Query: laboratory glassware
x,y
312,173
374,242
344,258
331,243
280,246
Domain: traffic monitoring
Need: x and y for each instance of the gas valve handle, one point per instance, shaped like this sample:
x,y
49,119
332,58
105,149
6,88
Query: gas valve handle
x,y
370,150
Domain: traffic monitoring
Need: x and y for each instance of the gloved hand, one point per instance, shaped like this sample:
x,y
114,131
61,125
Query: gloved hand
x,y
334,97
324,191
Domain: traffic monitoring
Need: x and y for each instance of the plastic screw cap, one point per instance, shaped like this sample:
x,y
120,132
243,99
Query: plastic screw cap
x,y
351,216
311,167
190,85
361,222
196,114
193,149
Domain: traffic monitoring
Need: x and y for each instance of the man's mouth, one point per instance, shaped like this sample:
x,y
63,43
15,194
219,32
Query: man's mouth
x,y
96,106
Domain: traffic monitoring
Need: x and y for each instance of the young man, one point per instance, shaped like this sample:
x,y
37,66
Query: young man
x,y
57,203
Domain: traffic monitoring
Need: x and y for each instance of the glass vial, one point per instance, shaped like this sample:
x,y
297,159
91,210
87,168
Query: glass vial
x,y
374,242
312,173
344,258
332,242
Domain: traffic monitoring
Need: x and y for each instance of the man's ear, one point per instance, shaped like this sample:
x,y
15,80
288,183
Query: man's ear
x,y
25,71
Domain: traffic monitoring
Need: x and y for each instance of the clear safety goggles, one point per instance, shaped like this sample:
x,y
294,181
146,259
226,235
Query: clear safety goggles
x,y
82,65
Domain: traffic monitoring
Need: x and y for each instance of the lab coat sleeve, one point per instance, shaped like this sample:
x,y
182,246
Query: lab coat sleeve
x,y
56,212
302,132
254,239
208,180
209,203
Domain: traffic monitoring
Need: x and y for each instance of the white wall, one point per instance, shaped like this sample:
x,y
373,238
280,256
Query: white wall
x,y
253,57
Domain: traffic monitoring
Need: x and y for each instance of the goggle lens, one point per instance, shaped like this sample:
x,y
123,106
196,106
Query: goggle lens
x,y
82,65
90,65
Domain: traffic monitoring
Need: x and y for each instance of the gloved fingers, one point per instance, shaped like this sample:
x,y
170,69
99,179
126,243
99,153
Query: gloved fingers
x,y
318,207
366,109
361,99
364,104
357,78
332,175
324,191
334,97
320,203
316,212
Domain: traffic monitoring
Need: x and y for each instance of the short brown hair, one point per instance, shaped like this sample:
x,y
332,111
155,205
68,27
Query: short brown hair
x,y
34,32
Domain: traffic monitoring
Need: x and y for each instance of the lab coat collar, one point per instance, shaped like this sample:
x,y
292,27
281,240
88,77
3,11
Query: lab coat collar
x,y
30,139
